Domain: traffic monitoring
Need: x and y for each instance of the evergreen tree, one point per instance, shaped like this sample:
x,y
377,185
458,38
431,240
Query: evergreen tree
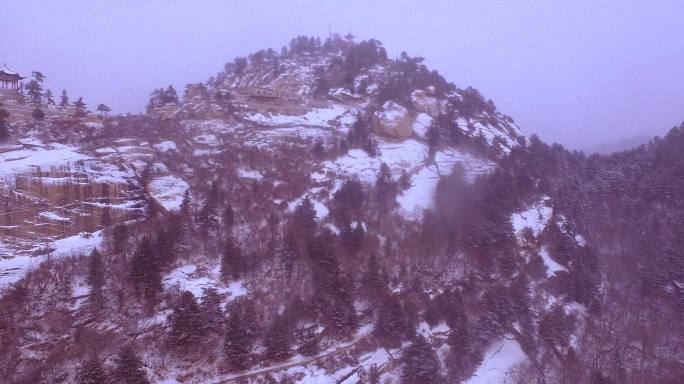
x,y
91,371
96,279
372,376
129,368
520,295
391,325
185,321
34,88
333,293
38,114
4,126
38,76
164,248
305,218
278,339
170,95
290,251
80,106
249,318
103,110
206,219
185,206
373,280
385,189
309,343
145,272
64,99
556,326
229,219
463,357
49,98
348,201
231,260
237,344
420,364
212,315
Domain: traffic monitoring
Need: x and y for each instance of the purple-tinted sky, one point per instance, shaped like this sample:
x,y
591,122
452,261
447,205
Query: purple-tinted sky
x,y
576,72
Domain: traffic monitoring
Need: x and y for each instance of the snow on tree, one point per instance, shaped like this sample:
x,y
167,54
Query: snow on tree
x,y
420,364
129,368
91,371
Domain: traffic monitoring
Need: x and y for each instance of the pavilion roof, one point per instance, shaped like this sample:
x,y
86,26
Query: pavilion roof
x,y
9,73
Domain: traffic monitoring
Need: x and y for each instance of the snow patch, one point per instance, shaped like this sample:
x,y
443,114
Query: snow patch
x,y
168,191
499,359
551,266
250,174
536,217
421,125
165,146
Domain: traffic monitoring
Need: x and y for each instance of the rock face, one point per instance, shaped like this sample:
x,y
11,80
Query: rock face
x,y
394,121
426,104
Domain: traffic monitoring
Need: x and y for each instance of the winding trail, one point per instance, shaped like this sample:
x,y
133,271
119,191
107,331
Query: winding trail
x,y
306,361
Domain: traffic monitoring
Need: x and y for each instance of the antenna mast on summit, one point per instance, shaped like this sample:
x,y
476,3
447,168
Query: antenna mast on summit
x,y
329,31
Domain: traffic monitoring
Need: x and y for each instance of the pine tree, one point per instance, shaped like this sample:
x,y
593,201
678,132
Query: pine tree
x,y
4,127
129,368
373,280
212,314
80,106
520,295
49,98
229,219
206,219
372,376
38,114
237,345
64,99
462,358
185,207
385,189
164,248
185,321
231,260
309,343
35,89
420,364
91,371
556,326
103,109
249,318
145,272
278,339
96,279
333,292
305,218
391,325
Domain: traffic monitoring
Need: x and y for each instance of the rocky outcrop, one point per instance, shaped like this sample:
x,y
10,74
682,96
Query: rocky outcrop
x,y
422,102
394,121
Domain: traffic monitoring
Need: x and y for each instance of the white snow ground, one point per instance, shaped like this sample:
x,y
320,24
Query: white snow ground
x,y
13,269
499,359
536,217
168,191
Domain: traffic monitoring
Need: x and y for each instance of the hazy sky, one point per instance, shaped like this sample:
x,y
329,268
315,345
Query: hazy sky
x,y
575,72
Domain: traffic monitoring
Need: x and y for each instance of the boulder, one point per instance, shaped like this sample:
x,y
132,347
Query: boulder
x,y
394,120
422,102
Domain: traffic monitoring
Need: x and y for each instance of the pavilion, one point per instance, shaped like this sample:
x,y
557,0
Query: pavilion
x,y
10,80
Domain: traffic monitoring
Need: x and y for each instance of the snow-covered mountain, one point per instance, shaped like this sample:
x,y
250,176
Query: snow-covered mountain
x,y
319,215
